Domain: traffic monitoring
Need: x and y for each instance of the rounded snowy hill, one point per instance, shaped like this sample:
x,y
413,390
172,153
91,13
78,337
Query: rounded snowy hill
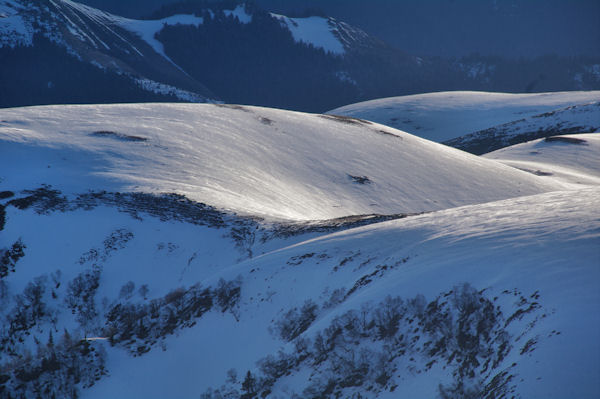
x,y
249,160
572,158
447,115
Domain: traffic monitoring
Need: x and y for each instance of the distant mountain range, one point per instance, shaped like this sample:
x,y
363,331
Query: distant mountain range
x,y
235,52
441,27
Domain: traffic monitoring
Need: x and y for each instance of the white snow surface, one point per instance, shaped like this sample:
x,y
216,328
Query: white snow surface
x,y
580,118
313,30
446,115
576,162
240,13
546,243
295,166
270,163
147,29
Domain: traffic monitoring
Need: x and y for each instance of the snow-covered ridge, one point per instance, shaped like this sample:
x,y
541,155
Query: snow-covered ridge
x,y
447,115
251,160
580,118
318,31
115,44
573,158
147,29
123,45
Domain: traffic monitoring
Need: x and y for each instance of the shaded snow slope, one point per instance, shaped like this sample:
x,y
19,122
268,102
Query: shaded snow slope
x,y
250,160
535,259
147,29
317,31
14,31
239,13
582,118
333,36
109,42
573,158
447,115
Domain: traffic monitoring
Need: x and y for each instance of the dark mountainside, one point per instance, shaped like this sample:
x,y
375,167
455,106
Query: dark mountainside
x,y
449,28
63,79
257,62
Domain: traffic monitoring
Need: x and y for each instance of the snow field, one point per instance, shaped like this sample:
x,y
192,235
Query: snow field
x,y
446,115
249,160
512,234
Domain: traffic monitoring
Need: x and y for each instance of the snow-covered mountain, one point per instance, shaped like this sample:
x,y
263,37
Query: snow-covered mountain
x,y
190,52
456,28
300,63
447,115
172,250
573,119
81,36
572,158
480,122
250,160
236,52
332,36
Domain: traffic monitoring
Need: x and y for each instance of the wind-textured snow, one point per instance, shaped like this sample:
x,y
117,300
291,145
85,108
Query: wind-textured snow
x,y
251,160
446,115
317,31
573,158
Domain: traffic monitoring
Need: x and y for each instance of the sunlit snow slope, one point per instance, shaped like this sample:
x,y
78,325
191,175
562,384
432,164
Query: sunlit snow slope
x,y
447,115
264,162
572,158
